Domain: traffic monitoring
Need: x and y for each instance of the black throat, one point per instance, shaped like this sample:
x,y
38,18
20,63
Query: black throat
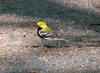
x,y
38,29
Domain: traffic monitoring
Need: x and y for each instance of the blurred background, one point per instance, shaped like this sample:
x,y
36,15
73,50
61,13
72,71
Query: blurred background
x,y
75,20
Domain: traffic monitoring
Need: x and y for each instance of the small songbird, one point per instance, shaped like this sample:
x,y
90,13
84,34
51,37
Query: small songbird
x,y
47,35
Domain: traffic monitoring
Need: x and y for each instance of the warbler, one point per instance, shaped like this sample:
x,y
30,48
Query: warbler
x,y
48,36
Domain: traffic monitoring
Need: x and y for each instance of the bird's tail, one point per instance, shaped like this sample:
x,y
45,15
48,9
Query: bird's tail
x,y
57,39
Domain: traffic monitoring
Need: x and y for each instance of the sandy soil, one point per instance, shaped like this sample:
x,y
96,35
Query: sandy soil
x,y
21,50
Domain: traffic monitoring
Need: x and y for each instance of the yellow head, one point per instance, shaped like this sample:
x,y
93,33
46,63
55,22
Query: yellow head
x,y
44,26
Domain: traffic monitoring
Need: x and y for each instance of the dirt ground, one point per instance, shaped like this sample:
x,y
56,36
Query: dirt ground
x,y
21,50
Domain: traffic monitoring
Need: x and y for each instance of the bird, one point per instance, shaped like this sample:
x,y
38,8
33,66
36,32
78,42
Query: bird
x,y
47,35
